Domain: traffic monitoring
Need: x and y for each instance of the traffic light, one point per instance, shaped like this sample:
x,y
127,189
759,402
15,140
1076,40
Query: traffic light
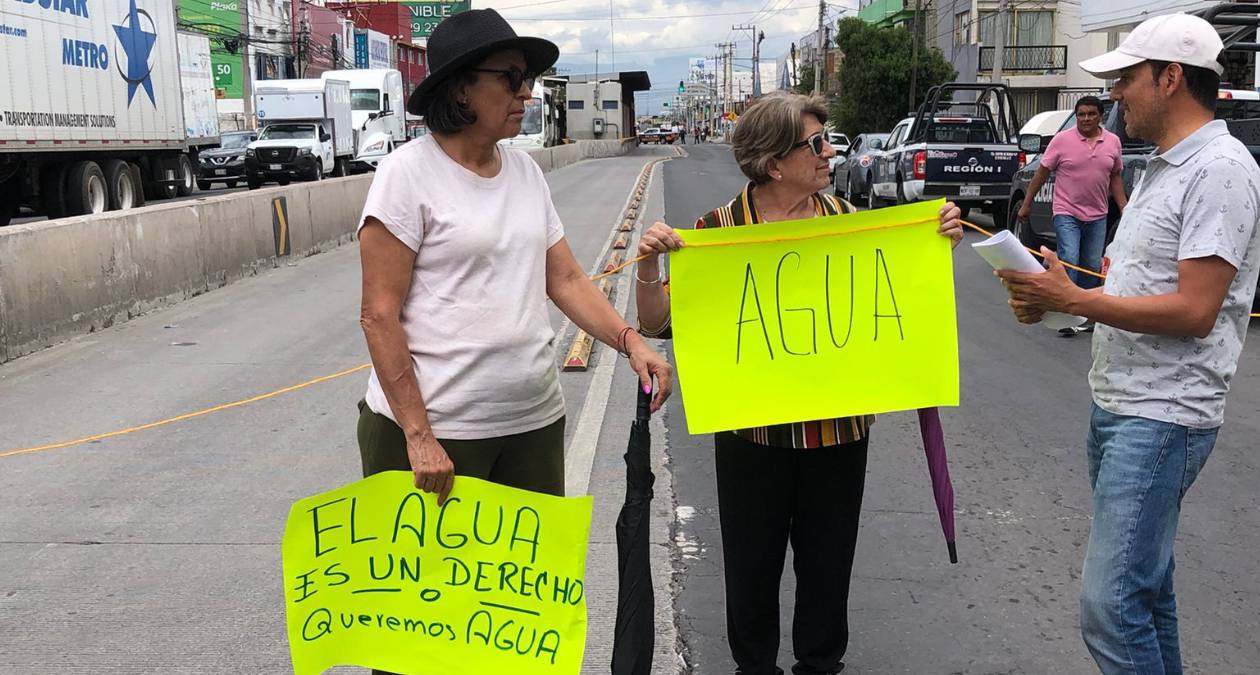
x,y
681,87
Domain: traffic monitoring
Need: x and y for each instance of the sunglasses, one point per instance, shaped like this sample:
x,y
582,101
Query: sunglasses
x,y
515,77
815,142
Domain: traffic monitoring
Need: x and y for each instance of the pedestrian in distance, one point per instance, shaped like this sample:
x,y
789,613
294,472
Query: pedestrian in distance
x,y
461,249
817,467
1171,319
682,134
1086,164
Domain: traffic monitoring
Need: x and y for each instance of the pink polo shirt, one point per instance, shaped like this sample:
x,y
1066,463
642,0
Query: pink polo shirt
x,y
1082,178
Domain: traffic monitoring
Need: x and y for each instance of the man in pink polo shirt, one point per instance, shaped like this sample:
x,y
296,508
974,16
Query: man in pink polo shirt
x,y
1086,165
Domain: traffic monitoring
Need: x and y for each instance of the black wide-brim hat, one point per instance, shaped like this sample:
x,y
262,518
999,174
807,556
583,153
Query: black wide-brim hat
x,y
465,39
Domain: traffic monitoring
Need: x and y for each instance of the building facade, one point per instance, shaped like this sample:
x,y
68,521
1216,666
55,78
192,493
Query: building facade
x,y
1044,43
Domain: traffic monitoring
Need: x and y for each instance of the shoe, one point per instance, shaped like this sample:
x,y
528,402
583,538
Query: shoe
x,y
1067,331
1087,327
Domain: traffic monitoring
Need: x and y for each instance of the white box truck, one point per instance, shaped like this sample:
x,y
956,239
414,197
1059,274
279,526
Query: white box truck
x,y
91,106
307,131
377,108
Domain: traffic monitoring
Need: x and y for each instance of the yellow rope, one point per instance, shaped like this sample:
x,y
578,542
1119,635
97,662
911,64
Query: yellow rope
x,y
180,418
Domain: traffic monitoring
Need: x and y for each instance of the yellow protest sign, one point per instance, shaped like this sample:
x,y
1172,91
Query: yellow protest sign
x,y
377,575
814,319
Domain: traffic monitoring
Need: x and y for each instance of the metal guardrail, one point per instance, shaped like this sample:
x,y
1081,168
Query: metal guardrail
x,y
1035,58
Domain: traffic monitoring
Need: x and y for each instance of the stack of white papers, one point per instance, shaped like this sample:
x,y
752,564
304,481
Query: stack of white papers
x,y
1004,252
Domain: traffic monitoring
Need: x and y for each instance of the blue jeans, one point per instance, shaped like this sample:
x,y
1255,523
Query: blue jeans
x,y
1139,470
1080,242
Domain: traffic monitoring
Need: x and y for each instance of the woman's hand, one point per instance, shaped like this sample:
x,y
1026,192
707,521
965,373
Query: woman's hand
x,y
433,469
649,364
660,238
951,223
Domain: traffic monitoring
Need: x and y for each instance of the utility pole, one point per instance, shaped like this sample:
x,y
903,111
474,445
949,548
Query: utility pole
x,y
818,66
792,65
247,89
757,64
756,54
999,48
914,56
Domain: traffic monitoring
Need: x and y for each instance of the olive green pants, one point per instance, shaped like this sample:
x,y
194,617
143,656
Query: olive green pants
x,y
533,460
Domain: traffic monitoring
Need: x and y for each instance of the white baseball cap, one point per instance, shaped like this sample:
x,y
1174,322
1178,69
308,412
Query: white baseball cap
x,y
1177,38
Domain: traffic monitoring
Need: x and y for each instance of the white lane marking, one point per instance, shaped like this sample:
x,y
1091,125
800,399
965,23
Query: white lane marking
x,y
580,455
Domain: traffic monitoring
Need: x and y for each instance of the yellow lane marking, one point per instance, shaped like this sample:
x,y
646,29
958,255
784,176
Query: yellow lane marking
x,y
180,418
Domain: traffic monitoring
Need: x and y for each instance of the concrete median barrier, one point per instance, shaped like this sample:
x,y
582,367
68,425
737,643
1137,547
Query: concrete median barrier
x,y
71,276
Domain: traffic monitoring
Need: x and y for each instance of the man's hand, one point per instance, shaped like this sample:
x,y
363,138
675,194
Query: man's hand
x,y
1026,313
433,469
1049,291
1025,209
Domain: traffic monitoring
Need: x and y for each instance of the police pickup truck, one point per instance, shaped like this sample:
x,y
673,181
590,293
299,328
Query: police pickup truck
x,y
963,151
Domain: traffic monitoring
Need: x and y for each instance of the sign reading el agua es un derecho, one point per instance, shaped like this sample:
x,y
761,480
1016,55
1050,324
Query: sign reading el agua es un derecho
x,y
814,319
377,575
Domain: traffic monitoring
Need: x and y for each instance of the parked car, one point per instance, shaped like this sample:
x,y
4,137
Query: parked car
x,y
226,163
650,136
838,141
964,152
851,177
1045,124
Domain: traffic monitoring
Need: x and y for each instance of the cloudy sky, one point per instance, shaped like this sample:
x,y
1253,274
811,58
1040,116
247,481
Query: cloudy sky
x,y
659,36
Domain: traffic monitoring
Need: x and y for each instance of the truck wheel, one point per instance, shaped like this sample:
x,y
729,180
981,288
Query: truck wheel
x,y
137,182
339,168
253,183
1022,228
52,190
86,189
872,200
203,185
122,192
187,176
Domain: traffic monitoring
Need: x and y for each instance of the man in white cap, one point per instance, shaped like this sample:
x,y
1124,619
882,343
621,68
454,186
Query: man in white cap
x,y
1172,317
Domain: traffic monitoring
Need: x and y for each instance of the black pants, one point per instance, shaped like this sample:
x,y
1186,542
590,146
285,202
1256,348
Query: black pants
x,y
767,497
533,460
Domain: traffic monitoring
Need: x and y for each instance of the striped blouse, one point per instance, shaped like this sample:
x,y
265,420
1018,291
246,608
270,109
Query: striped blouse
x,y
816,433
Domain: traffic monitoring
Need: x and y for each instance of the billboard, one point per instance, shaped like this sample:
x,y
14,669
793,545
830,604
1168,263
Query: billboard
x,y
221,20
425,16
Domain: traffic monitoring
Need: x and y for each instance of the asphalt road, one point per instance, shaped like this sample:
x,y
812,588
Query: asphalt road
x,y
158,551
1022,501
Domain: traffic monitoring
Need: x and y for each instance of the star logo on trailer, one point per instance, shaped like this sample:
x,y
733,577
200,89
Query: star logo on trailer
x,y
136,44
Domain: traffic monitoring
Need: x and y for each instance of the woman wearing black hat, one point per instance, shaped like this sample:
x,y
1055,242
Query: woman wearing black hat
x,y
461,248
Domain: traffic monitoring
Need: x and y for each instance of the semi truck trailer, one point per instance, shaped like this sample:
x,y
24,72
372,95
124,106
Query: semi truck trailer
x,y
92,105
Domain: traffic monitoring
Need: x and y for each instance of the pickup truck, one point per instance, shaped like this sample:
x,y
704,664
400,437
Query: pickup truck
x,y
964,152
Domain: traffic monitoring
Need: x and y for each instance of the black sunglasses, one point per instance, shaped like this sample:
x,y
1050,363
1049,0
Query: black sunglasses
x,y
515,77
815,143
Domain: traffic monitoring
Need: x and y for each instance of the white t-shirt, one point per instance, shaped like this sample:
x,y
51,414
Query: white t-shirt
x,y
476,314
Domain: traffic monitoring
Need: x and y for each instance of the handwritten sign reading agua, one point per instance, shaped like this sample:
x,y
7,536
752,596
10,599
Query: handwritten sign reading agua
x,y
377,575
814,319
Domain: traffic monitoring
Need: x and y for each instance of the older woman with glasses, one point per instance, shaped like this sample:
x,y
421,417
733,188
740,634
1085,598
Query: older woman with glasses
x,y
798,482
461,249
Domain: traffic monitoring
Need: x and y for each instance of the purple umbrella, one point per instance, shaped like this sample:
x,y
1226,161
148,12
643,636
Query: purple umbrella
x,y
938,467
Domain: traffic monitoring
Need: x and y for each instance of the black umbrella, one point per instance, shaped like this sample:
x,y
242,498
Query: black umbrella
x,y
634,637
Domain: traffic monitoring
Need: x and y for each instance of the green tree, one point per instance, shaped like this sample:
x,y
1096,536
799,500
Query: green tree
x,y
875,76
